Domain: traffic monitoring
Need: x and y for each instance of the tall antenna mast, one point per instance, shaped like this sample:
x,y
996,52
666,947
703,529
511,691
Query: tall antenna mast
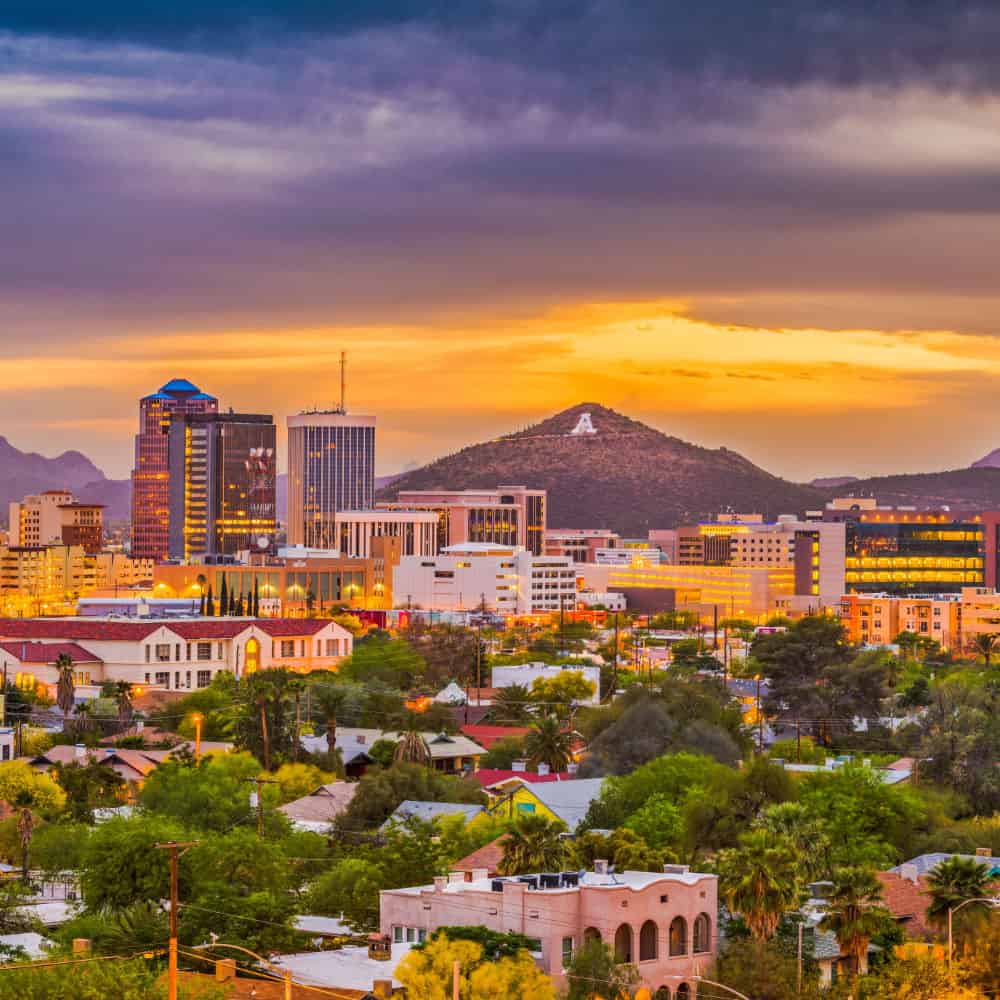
x,y
343,381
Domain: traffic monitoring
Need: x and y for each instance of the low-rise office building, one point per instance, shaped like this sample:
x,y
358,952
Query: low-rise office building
x,y
56,517
506,579
665,923
877,619
580,544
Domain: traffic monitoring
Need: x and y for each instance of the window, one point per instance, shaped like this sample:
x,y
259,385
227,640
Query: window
x,y
623,944
534,945
218,652
683,991
204,651
187,652
526,807
333,647
187,678
203,678
163,652
177,652
591,934
411,934
6,751
702,934
177,678
647,941
251,656
287,647
567,951
397,935
163,678
421,935
678,936
146,677
147,654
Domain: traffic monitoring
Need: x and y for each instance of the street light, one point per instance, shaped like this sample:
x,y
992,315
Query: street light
x,y
993,901
196,719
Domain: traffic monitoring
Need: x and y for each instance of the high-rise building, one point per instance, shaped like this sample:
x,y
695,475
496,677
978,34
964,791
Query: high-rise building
x,y
150,476
56,517
508,515
221,484
331,468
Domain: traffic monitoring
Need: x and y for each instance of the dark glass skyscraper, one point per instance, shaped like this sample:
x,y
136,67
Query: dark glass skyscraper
x,y
222,484
150,476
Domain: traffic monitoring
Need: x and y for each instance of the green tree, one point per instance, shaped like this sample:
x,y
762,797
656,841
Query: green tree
x,y
389,661
559,694
17,778
123,702
65,687
955,881
503,753
412,748
594,974
329,701
658,821
511,706
534,844
264,724
764,970
58,847
549,743
88,787
985,644
854,913
760,881
298,780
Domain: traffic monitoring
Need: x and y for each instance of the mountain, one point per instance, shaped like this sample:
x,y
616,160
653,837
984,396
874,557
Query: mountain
x,y
973,489
605,470
990,461
23,472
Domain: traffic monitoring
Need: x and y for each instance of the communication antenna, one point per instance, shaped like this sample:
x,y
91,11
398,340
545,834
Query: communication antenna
x,y
343,381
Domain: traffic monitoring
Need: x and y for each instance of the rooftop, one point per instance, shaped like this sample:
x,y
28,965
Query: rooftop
x,y
428,811
924,864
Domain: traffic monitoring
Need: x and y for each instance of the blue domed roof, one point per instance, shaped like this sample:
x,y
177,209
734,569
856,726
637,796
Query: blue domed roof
x,y
203,395
156,395
177,385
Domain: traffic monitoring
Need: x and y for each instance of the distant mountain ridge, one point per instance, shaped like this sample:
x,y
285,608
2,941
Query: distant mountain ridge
x,y
23,473
603,469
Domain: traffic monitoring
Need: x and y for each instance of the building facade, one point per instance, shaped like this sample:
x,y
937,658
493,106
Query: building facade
x,y
508,515
56,517
877,619
179,655
151,474
580,544
506,579
415,529
221,484
331,468
664,923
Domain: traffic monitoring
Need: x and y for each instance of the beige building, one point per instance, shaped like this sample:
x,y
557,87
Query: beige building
x,y
876,619
56,517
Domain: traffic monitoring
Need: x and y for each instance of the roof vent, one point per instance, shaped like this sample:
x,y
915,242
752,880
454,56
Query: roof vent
x,y
676,869
600,866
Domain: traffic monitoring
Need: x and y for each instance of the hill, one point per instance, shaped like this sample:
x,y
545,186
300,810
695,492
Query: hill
x,y
990,461
973,489
22,473
609,471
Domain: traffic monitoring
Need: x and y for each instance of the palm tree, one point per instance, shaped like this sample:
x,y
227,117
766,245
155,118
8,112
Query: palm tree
x,y
65,687
953,882
548,743
510,705
82,712
855,913
123,699
534,844
759,880
985,645
412,748
329,699
25,829
296,685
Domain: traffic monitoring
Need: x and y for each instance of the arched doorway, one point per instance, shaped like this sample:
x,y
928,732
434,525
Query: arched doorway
x,y
683,992
623,944
251,656
663,993
702,934
591,934
678,938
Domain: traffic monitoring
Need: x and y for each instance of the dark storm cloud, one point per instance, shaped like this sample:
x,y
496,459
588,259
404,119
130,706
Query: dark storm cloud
x,y
846,42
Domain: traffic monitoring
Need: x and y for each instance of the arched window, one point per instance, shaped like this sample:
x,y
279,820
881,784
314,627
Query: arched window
x,y
678,937
591,934
251,658
647,941
663,993
683,992
623,944
702,934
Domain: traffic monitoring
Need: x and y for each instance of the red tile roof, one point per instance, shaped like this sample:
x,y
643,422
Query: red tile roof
x,y
135,631
907,901
488,857
490,776
47,652
486,736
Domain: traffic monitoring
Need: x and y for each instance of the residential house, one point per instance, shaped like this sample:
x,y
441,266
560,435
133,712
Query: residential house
x,y
567,801
431,811
481,863
665,922
924,864
321,807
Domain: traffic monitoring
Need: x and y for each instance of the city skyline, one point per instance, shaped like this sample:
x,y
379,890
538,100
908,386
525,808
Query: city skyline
x,y
772,233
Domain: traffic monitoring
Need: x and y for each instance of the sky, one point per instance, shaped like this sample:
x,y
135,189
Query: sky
x,y
766,226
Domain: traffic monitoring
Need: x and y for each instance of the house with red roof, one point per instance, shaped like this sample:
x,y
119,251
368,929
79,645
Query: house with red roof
x,y
486,736
176,655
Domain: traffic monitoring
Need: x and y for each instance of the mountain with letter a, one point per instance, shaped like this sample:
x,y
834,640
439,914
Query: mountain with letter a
x,y
604,470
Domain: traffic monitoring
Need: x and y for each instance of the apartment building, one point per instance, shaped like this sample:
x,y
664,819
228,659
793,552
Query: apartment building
x,y
56,517
876,619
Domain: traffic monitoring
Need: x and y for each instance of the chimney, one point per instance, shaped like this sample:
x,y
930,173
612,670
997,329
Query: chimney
x,y
81,751
600,866
382,988
676,869
440,881
983,852
543,769
519,765
572,768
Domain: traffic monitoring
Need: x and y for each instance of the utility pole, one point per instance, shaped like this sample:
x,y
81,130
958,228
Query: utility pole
x,y
760,721
455,980
260,801
174,848
479,652
798,970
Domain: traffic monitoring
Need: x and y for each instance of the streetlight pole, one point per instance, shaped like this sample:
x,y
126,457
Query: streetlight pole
x,y
196,718
993,901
